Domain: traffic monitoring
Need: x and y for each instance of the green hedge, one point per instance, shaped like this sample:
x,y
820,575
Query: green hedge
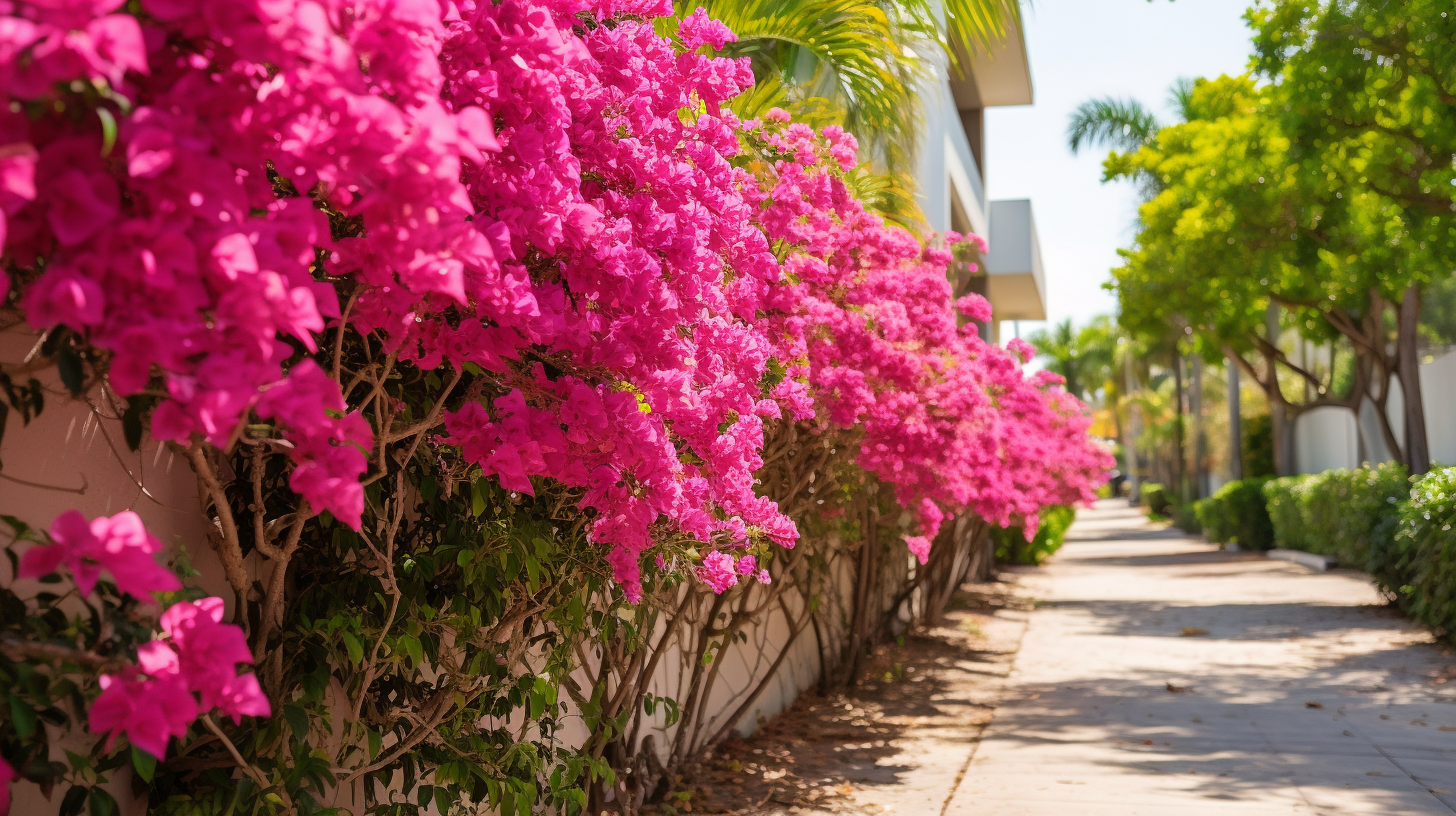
x,y
1421,562
1368,518
1186,518
1157,498
1344,513
1284,501
1236,514
1013,548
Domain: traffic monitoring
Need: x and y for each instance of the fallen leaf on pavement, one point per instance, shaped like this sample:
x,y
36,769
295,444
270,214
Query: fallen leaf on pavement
x,y
1177,689
1193,631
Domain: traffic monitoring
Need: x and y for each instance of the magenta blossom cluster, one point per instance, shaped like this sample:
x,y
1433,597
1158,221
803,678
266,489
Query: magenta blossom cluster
x,y
159,699
949,420
118,544
546,191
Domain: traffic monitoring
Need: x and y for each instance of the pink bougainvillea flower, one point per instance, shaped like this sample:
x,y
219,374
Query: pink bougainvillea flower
x,y
243,697
919,547
747,565
199,657
118,544
208,652
1021,349
531,192
150,711
7,774
717,571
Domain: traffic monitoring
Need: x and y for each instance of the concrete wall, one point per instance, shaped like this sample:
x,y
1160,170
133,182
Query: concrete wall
x,y
1327,438
947,168
1438,394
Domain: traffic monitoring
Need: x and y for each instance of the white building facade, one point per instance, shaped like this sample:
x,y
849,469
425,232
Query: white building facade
x,y
952,178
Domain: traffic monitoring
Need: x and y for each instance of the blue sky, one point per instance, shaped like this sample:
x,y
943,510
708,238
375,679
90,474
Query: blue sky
x,y
1082,49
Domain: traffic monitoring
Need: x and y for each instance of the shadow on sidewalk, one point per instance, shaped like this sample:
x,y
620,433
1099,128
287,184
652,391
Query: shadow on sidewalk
x,y
825,753
1232,621
1389,743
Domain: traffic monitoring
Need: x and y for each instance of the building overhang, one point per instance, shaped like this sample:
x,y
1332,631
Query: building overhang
x,y
995,76
1015,282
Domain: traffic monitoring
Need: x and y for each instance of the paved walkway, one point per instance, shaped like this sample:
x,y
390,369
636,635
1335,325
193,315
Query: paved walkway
x,y
1159,676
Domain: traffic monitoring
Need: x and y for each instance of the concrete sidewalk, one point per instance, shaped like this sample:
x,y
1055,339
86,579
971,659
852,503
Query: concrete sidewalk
x,y
1160,676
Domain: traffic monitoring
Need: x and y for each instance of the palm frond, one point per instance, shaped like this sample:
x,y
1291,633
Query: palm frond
x,y
889,195
852,53
1181,95
1121,124
972,25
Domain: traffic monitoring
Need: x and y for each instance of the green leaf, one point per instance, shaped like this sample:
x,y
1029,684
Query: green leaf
x,y
143,763
108,131
73,373
23,716
376,743
73,801
131,423
477,498
297,720
411,646
354,647
102,804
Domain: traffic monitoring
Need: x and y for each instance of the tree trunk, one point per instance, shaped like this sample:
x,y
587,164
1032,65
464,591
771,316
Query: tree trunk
x,y
1130,446
865,597
1200,440
1236,428
1180,461
1278,420
1417,452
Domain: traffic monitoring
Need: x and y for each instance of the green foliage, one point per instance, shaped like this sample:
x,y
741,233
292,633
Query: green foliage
x,y
1156,498
1013,548
1236,514
78,637
1423,552
1342,513
1258,446
858,64
1284,500
1082,357
1185,517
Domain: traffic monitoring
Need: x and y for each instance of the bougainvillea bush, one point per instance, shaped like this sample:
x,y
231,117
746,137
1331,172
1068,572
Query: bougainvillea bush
x,y
478,323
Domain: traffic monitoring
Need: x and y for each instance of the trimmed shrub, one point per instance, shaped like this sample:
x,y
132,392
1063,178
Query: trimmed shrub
x,y
1343,509
1344,513
1284,501
1422,555
1236,514
1185,518
1157,498
1013,548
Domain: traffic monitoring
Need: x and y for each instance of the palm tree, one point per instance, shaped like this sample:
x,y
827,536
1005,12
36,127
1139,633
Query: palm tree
x,y
859,64
1125,125
1084,358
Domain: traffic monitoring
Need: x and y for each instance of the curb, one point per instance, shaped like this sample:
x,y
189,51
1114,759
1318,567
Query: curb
x,y
1318,563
